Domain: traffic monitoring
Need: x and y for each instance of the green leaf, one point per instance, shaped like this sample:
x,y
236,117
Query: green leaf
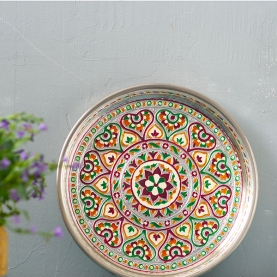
x,y
115,185
168,212
127,174
142,156
165,155
129,197
183,171
190,164
147,213
120,166
155,145
177,218
129,139
104,185
134,150
183,229
131,229
195,184
184,194
175,150
155,224
191,204
160,203
121,204
136,219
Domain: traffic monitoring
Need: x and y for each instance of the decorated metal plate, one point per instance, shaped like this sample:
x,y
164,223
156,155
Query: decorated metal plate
x,y
157,180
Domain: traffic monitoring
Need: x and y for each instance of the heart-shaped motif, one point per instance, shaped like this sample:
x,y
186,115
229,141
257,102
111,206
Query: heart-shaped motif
x,y
110,210
139,247
137,122
208,184
129,230
170,122
218,200
203,229
92,168
200,157
156,238
155,132
92,202
128,138
109,139
174,247
183,230
102,184
200,138
217,167
181,139
110,231
109,158
202,210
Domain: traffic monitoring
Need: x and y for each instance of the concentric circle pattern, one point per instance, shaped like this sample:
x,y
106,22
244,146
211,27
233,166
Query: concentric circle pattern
x,y
158,186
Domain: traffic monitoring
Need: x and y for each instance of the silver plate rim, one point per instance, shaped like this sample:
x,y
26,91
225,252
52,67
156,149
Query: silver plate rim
x,y
111,267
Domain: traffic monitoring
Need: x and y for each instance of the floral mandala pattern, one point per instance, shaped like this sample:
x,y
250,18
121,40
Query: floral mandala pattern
x,y
158,187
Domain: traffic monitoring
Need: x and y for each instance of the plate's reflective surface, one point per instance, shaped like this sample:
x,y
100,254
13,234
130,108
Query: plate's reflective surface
x,y
161,182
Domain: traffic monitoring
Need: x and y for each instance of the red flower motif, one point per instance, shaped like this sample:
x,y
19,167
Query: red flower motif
x,y
165,145
144,146
156,184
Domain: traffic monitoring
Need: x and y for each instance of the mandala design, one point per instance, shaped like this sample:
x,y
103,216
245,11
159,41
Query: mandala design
x,y
158,187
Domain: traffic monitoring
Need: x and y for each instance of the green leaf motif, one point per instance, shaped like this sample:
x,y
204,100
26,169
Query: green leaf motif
x,y
155,145
129,139
155,225
175,150
131,229
134,150
136,219
195,184
191,204
177,218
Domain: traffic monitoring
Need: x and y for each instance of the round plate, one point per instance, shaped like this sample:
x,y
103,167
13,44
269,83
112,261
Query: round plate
x,y
157,180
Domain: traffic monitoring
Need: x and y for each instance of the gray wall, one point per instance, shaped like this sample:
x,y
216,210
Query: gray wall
x,y
58,59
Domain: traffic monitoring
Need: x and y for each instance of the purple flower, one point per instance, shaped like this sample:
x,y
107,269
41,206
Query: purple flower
x,y
33,229
65,159
27,126
4,124
58,232
39,167
20,134
5,163
23,155
14,195
43,126
42,196
75,165
25,175
16,219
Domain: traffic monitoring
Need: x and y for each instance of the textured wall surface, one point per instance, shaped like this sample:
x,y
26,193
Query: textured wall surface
x,y
58,59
